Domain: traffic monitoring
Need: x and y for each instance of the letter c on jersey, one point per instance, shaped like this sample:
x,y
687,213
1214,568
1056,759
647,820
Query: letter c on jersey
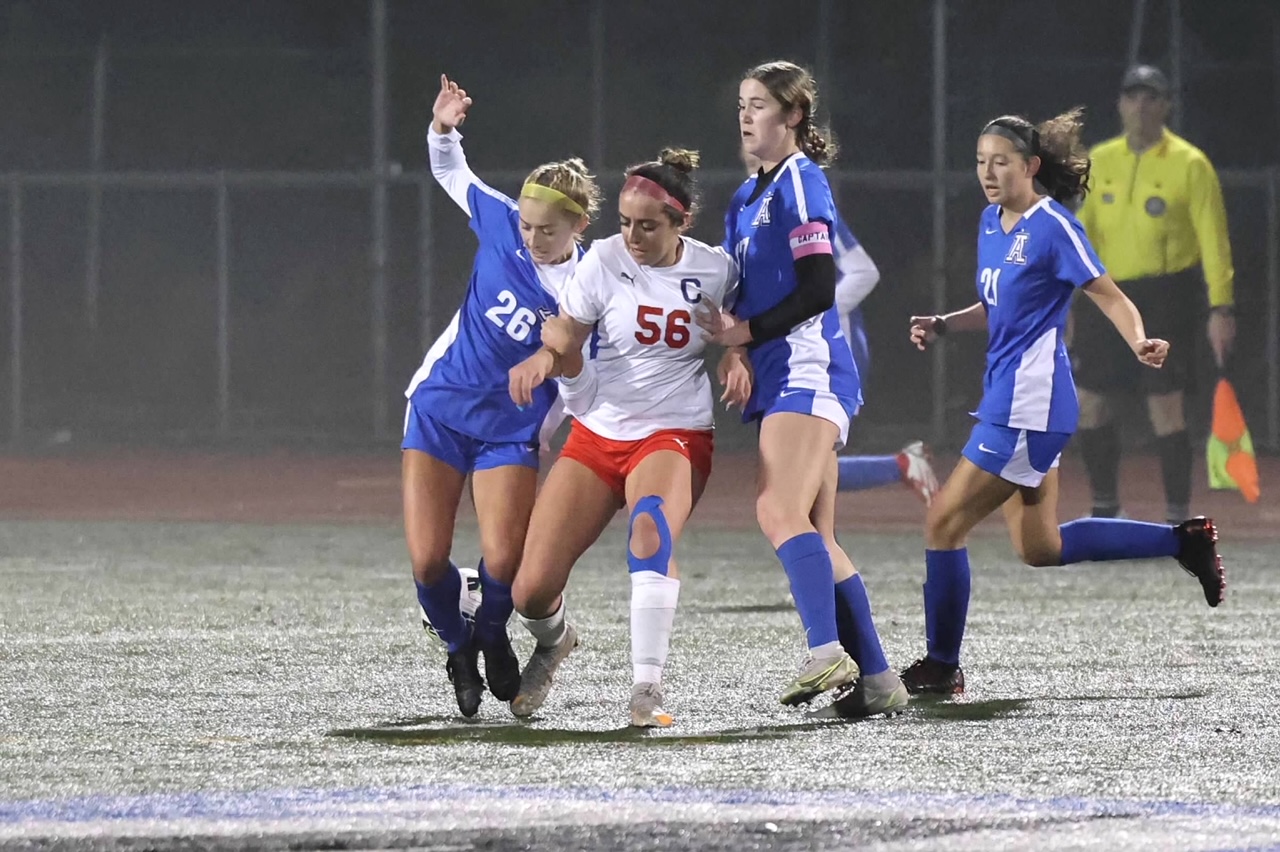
x,y
696,296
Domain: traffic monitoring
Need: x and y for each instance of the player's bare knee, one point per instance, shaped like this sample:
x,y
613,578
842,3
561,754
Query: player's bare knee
x,y
650,546
503,566
777,517
1167,412
1095,412
943,528
530,598
429,565
502,559
645,540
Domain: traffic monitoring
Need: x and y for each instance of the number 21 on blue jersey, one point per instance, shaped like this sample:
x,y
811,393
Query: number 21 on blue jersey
x,y
991,286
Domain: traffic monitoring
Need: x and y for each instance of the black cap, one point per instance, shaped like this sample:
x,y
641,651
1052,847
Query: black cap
x,y
1145,77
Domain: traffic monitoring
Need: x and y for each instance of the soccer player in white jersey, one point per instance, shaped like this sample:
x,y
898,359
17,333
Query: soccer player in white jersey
x,y
1033,255
856,276
642,431
460,419
806,386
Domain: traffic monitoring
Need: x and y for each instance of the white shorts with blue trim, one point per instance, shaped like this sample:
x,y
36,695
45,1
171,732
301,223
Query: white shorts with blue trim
x,y
825,404
1020,456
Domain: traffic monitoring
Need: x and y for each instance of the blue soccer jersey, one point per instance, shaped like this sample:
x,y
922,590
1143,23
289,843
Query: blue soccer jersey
x,y
462,382
766,235
1026,279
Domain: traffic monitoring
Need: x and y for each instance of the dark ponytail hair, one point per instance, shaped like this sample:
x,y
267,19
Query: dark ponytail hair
x,y
1064,160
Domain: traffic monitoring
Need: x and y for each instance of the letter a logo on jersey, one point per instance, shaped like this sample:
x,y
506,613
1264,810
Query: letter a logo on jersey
x,y
1018,254
762,217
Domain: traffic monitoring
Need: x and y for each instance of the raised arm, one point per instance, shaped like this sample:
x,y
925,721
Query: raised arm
x,y
444,143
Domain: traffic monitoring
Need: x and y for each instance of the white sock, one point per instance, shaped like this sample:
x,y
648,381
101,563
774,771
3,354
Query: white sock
x,y
653,611
548,631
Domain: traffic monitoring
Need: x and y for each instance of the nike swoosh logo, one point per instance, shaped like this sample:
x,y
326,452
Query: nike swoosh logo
x,y
992,230
788,392
983,447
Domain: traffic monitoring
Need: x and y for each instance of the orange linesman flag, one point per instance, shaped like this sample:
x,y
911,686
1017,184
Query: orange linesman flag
x,y
1232,464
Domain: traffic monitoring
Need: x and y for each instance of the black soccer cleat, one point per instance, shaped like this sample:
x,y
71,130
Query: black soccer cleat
x,y
464,672
501,668
1198,555
929,676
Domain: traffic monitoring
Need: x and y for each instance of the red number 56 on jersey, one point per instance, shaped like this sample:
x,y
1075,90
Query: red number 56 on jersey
x,y
676,334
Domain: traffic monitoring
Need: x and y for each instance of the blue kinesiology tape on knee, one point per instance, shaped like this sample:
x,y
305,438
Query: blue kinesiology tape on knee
x,y
651,506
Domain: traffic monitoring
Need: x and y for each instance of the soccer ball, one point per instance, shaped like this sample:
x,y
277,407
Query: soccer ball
x,y
468,602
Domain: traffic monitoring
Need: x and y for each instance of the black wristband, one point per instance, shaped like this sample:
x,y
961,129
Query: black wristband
x,y
939,325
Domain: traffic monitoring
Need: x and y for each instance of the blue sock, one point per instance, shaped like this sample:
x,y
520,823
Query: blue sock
x,y
440,603
858,473
946,602
495,609
808,566
867,652
1108,539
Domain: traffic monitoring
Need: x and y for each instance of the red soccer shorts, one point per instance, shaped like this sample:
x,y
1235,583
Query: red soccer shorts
x,y
613,461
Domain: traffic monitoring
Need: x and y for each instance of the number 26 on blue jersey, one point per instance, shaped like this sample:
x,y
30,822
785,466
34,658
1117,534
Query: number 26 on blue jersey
x,y
516,321
991,286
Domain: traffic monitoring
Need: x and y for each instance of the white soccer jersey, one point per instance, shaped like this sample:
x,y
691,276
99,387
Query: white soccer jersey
x,y
649,362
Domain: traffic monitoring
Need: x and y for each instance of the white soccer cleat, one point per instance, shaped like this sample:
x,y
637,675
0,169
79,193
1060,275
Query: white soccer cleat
x,y
917,470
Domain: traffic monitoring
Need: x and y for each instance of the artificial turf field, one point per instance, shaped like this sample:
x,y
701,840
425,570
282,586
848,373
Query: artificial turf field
x,y
169,683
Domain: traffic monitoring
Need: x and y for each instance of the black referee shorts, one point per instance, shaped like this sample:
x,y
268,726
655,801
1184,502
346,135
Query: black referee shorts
x,y
1172,308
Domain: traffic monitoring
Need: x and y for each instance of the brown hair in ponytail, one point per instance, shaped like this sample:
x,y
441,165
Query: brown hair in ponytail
x,y
794,88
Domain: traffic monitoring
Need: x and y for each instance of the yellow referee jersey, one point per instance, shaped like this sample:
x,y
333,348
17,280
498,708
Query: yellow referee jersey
x,y
1158,213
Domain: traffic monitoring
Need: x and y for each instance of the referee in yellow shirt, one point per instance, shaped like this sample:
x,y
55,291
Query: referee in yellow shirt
x,y
1155,216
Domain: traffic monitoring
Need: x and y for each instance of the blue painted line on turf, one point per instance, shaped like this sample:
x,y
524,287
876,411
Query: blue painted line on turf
x,y
321,803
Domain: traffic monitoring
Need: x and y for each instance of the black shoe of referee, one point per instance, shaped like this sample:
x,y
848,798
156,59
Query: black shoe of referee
x,y
1198,554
